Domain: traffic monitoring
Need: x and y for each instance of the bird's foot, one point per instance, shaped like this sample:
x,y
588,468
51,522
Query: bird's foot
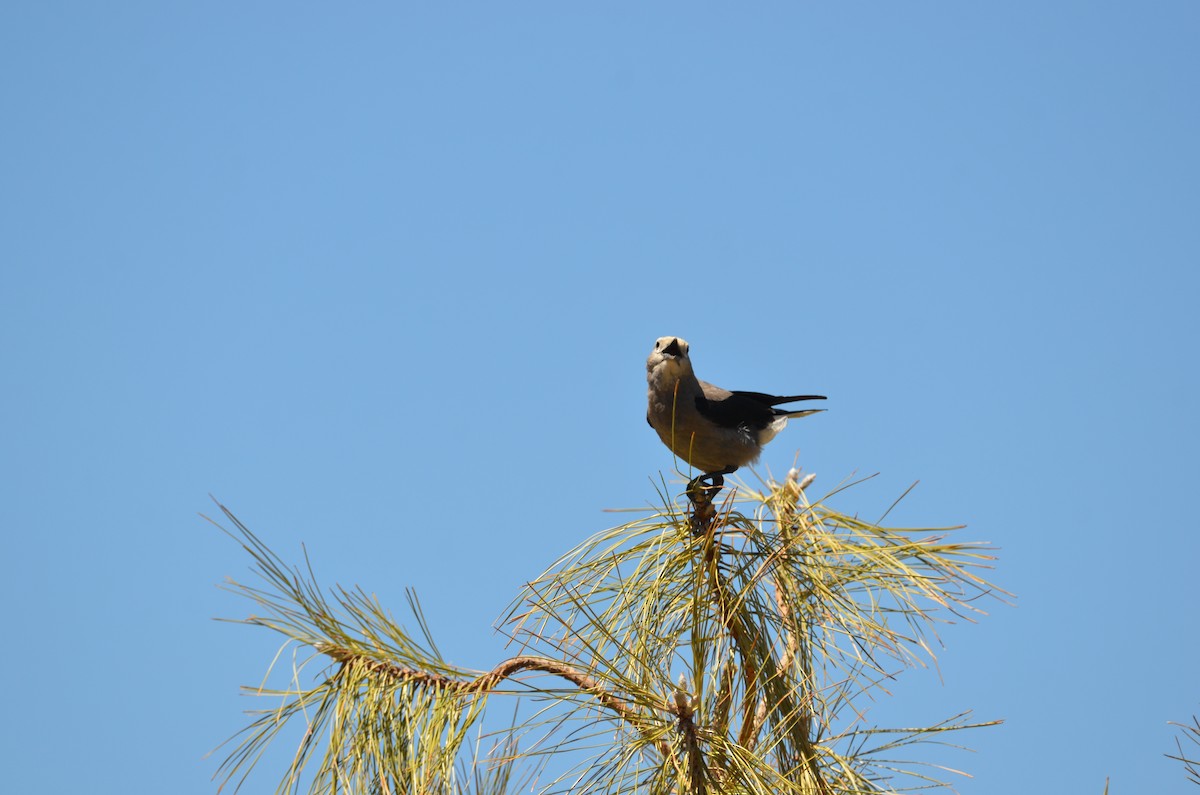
x,y
704,489
701,491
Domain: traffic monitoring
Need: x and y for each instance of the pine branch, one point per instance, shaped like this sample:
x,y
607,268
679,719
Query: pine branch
x,y
725,660
489,681
1191,764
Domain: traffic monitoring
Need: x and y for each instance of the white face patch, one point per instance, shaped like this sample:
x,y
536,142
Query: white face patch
x,y
665,366
663,342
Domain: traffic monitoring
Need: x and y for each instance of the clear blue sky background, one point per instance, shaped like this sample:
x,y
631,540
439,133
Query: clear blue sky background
x,y
383,279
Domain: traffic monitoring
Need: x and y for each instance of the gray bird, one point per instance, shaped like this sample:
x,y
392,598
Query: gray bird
x,y
713,429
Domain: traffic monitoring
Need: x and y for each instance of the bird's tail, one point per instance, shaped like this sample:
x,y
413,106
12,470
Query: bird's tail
x,y
804,413
775,401
794,398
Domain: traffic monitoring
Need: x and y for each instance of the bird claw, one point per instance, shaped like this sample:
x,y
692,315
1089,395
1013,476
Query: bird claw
x,y
704,489
701,491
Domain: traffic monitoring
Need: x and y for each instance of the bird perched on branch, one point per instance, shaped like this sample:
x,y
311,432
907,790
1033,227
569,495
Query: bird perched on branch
x,y
713,429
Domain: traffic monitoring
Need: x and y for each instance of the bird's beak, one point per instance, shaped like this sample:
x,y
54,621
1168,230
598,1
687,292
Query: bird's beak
x,y
673,348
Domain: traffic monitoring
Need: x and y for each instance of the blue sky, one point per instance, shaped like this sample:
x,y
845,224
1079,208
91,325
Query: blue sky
x,y
383,280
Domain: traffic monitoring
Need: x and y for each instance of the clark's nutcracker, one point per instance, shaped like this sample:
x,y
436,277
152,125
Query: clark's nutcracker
x,y
713,429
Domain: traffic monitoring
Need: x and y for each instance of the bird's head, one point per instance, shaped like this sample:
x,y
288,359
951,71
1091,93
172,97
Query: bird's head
x,y
669,357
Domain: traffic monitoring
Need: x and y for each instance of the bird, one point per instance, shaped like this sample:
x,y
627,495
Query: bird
x,y
713,429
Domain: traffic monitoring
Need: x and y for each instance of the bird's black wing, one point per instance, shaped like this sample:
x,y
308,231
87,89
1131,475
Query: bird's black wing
x,y
775,400
738,409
